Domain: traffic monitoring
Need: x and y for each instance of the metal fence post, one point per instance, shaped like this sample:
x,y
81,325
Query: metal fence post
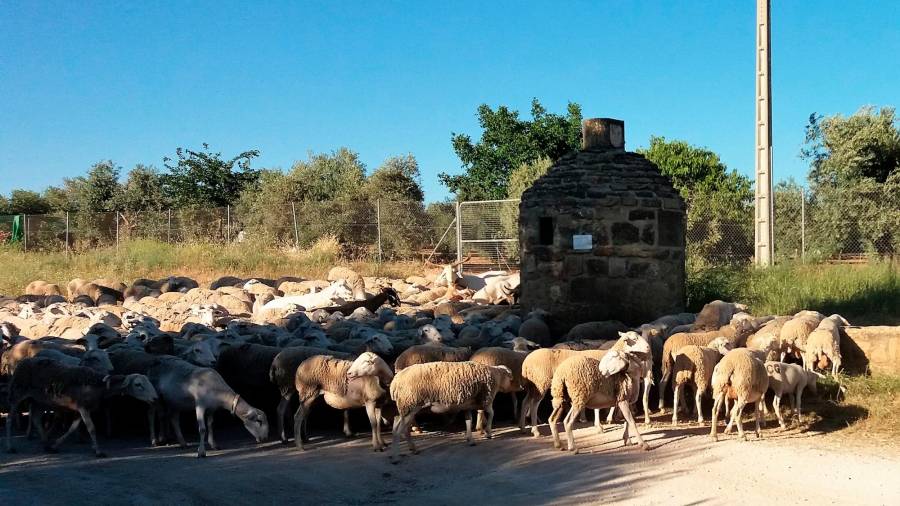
x,y
378,225
296,230
228,223
802,225
459,252
117,230
25,230
169,227
67,234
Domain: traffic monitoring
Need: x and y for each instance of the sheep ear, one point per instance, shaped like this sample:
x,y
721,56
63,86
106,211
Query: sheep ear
x,y
622,334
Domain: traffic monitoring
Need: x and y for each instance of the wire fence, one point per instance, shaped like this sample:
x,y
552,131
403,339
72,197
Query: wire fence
x,y
845,226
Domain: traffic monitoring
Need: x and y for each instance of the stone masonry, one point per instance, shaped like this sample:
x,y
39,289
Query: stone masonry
x,y
602,236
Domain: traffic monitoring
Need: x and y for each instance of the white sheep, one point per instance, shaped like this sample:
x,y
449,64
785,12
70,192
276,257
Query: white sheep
x,y
742,377
825,342
445,387
694,365
790,379
335,294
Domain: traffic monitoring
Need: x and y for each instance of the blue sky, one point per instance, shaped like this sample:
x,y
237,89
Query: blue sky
x,y
130,81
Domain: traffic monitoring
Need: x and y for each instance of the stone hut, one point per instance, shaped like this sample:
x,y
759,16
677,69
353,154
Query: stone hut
x,y
601,235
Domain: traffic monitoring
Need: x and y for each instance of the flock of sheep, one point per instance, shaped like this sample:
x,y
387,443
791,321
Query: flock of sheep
x,y
443,344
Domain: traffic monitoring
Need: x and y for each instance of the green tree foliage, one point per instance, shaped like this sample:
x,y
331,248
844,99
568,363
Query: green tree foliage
x,y
99,190
506,143
27,202
525,175
62,198
336,176
844,150
143,190
202,178
720,202
398,178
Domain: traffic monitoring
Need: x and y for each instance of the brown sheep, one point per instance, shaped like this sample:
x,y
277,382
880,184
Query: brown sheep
x,y
694,365
42,288
742,377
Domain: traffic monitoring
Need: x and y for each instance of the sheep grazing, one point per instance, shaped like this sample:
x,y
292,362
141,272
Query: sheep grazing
x,y
585,382
825,343
790,379
537,377
344,385
425,353
283,374
715,315
47,383
183,387
694,365
795,331
735,331
742,377
387,295
445,387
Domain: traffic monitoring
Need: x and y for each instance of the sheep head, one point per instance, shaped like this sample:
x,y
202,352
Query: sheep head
x,y
133,385
504,377
379,343
393,298
635,343
200,353
613,363
370,364
521,344
255,420
839,320
721,344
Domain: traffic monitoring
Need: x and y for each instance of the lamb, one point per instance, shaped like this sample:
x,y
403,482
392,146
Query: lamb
x,y
735,331
345,385
445,387
50,384
498,289
424,353
283,372
715,315
356,282
336,293
694,365
790,379
825,342
183,386
39,287
742,377
586,382
537,377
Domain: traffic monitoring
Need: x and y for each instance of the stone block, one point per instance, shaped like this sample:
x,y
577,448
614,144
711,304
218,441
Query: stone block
x,y
624,233
618,267
597,266
671,228
648,235
573,265
641,214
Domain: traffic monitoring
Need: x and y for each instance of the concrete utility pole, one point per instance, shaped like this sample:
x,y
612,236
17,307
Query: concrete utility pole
x,y
765,213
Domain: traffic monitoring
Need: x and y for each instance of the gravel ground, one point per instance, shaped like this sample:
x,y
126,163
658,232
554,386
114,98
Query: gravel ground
x,y
683,467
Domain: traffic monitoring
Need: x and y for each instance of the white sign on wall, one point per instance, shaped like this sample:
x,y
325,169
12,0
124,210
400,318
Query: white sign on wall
x,y
582,242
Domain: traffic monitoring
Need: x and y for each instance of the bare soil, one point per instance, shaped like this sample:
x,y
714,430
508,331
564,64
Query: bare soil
x,y
683,467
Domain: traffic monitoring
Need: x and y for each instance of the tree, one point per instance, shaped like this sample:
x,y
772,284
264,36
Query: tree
x,y
64,198
843,150
27,202
506,143
143,190
525,175
398,178
336,176
99,190
203,178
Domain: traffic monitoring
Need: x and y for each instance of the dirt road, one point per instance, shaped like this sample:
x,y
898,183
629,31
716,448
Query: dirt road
x,y
683,467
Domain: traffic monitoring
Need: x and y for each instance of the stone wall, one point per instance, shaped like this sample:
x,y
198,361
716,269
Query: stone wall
x,y
634,269
876,348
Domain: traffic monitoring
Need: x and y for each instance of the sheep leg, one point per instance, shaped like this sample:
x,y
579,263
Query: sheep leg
x,y
347,431
713,430
375,423
598,421
89,424
209,428
36,418
648,382
469,439
759,419
74,427
569,424
201,428
582,415
489,416
698,394
298,426
534,417
629,420
662,390
11,419
175,420
736,416
526,406
553,421
679,391
151,420
283,405
776,405
609,416
683,403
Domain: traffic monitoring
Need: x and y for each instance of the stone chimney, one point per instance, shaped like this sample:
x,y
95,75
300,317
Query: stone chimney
x,y
602,134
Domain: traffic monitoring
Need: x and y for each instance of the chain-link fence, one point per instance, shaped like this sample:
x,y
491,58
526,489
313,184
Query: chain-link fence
x,y
836,225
